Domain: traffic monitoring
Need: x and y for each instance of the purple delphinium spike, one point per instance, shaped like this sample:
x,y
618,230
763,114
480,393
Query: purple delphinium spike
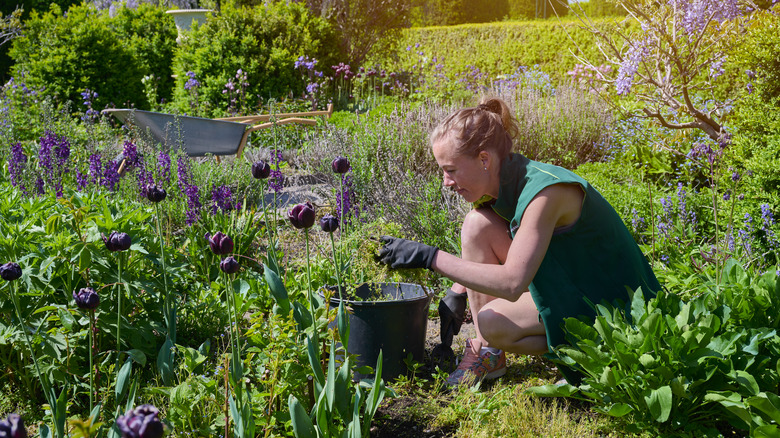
x,y
276,180
222,199
17,163
164,166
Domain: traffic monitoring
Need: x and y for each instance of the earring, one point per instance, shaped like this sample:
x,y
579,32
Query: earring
x,y
485,168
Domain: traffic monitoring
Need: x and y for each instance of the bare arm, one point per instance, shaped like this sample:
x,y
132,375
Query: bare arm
x,y
555,206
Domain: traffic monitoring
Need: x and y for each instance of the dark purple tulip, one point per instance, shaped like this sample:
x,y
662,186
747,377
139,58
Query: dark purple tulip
x,y
86,298
229,265
261,170
141,422
340,165
220,244
155,194
302,215
12,427
117,241
10,271
329,223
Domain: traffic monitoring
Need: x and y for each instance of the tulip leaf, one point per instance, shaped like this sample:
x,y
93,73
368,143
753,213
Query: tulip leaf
x,y
343,324
138,356
330,384
278,291
302,316
301,423
44,431
122,378
165,361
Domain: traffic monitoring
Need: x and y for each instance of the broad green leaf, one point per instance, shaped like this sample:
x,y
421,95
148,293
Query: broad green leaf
x,y
766,431
619,410
278,291
768,403
637,305
302,316
122,379
165,361
747,382
66,319
659,402
138,356
343,324
301,423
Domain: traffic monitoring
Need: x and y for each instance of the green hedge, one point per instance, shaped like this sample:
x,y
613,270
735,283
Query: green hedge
x,y
494,48
264,42
86,48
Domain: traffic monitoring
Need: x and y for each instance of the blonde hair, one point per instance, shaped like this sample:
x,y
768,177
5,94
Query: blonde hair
x,y
489,126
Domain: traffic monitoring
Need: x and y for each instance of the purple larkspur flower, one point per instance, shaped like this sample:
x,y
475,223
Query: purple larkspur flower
x,y
81,181
131,156
111,175
276,180
192,83
222,199
17,163
95,168
164,166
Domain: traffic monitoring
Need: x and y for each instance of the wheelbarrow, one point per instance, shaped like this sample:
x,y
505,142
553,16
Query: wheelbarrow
x,y
201,136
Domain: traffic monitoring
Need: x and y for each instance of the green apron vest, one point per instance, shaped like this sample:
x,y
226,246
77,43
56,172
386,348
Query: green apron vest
x,y
596,259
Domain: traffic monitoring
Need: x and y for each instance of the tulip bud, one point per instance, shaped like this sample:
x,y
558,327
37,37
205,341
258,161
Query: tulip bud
x,y
220,244
141,422
261,170
117,241
329,223
13,427
10,271
340,165
229,265
86,298
302,215
155,194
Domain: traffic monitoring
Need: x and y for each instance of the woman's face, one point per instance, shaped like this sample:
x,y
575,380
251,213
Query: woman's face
x,y
465,175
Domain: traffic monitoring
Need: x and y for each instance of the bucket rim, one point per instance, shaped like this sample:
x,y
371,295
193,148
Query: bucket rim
x,y
426,295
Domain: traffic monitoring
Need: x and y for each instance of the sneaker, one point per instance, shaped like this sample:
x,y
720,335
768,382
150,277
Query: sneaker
x,y
474,368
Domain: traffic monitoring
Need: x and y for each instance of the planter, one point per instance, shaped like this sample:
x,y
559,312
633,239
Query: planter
x,y
395,323
184,18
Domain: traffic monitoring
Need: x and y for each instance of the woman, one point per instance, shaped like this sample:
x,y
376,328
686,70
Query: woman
x,y
543,230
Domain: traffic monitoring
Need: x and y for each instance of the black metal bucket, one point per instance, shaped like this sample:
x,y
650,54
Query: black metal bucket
x,y
392,317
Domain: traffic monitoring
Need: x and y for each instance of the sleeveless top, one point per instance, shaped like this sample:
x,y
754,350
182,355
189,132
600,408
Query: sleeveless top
x,y
594,260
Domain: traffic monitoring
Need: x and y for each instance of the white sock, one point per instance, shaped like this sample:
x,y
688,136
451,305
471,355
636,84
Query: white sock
x,y
490,350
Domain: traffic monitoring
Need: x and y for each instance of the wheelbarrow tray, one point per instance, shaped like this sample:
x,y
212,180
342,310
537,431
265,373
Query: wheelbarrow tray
x,y
199,136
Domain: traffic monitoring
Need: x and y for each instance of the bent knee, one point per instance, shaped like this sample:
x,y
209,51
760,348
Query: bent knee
x,y
480,222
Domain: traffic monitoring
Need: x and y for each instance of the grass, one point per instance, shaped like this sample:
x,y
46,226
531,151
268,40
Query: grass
x,y
423,408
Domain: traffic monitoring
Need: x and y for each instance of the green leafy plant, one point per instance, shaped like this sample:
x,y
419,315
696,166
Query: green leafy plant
x,y
670,365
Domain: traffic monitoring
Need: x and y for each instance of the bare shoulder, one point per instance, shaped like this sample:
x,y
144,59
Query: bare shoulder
x,y
560,204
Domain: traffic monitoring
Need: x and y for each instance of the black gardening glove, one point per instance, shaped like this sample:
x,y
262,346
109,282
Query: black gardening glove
x,y
402,253
452,310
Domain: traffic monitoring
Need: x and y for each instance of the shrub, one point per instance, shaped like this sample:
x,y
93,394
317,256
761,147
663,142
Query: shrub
x,y
492,49
263,42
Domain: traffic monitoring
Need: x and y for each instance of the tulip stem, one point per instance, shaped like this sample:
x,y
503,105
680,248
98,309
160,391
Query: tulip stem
x,y
170,319
91,365
271,246
308,270
119,313
50,397
338,273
